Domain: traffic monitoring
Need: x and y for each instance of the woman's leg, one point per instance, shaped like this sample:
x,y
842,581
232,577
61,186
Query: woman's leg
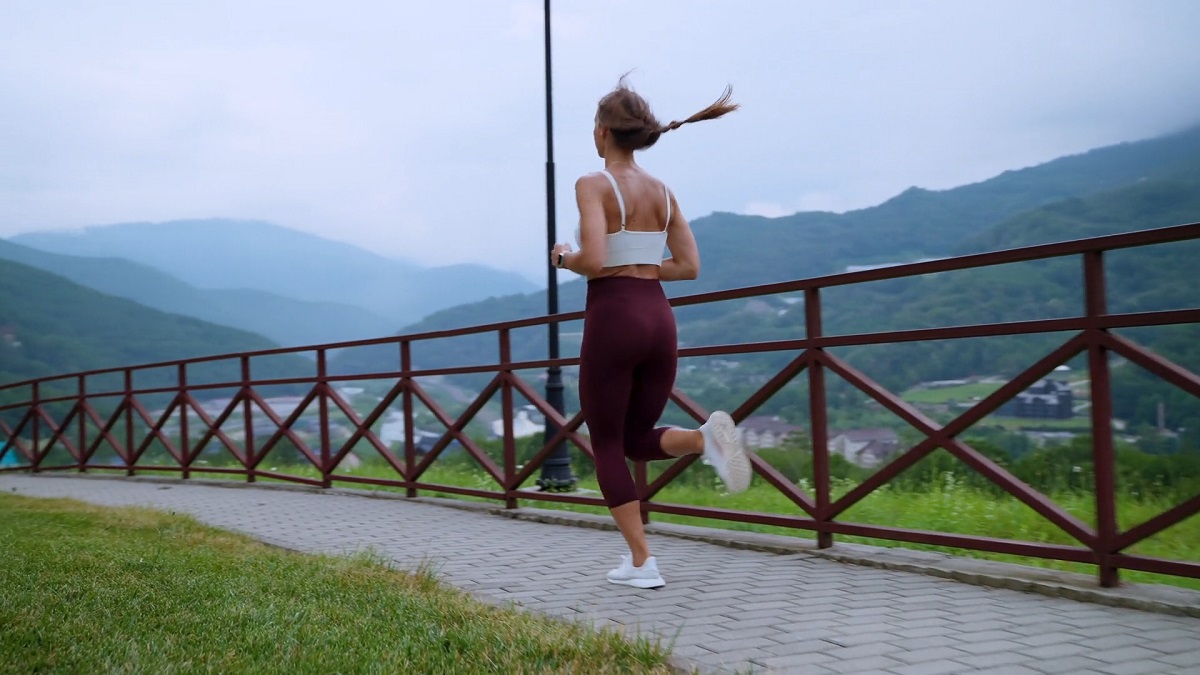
x,y
612,346
628,518
680,442
652,385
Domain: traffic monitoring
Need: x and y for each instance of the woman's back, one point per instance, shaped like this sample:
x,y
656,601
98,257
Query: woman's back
x,y
644,197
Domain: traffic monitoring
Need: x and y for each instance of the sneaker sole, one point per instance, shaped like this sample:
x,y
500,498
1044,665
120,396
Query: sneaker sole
x,y
737,465
639,583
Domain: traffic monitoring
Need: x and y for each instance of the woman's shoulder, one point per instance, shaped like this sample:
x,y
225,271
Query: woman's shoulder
x,y
592,176
591,181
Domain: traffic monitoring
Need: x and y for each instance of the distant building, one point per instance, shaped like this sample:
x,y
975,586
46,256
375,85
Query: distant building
x,y
765,431
527,422
8,335
1046,399
864,447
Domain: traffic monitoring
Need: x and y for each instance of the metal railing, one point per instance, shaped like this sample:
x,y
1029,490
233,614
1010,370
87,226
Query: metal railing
x,y
37,431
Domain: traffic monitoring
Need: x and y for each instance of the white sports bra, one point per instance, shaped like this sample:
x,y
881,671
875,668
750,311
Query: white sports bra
x,y
632,247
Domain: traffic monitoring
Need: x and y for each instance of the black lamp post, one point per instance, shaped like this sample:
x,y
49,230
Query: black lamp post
x,y
556,470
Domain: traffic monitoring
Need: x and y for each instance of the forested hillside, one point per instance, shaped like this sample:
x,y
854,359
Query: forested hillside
x,y
52,326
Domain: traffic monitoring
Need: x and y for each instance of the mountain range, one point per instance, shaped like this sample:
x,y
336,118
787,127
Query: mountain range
x,y
292,287
740,250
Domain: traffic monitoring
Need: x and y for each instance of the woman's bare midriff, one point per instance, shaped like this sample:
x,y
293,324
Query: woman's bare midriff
x,y
634,271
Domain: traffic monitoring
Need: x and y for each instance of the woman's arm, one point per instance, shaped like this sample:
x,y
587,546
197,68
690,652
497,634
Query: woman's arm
x,y
589,259
684,263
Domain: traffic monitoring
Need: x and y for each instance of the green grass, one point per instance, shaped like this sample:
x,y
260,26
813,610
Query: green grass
x,y
954,508
962,392
96,590
1079,423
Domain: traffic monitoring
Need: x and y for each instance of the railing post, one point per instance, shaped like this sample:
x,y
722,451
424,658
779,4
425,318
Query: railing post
x,y
180,396
1103,456
37,406
128,422
323,403
410,446
79,406
247,419
506,398
819,417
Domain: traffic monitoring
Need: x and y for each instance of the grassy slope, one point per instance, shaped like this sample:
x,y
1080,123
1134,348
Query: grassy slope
x,y
90,590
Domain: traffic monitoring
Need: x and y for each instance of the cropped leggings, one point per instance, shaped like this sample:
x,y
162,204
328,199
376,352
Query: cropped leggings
x,y
626,372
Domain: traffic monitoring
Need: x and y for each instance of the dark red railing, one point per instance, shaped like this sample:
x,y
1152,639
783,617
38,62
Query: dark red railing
x,y
1102,545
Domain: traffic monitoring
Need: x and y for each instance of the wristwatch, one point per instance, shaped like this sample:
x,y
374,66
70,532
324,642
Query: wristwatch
x,y
559,262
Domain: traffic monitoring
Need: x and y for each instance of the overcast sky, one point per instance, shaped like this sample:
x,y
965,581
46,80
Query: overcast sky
x,y
417,129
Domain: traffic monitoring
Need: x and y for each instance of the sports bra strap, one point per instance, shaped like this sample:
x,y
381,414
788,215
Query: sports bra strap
x,y
668,194
620,200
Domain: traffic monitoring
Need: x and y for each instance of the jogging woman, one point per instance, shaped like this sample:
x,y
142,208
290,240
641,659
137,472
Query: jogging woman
x,y
628,357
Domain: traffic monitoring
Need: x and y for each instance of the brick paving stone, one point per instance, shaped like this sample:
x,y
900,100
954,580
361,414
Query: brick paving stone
x,y
1008,670
1176,646
1077,665
991,646
931,654
1102,631
801,646
1168,634
933,622
1122,654
1057,650
936,667
923,614
866,664
1184,660
986,626
928,631
762,612
1150,667
861,639
1049,636
777,613
862,651
852,627
802,662
994,659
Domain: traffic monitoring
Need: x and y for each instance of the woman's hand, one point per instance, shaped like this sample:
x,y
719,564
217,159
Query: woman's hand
x,y
559,249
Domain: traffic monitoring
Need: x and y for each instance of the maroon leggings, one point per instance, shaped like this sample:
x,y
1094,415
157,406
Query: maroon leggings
x,y
626,372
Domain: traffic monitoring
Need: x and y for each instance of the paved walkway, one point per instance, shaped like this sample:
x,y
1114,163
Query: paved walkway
x,y
727,609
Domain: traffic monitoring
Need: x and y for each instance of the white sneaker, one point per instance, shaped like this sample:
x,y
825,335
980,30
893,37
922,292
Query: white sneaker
x,y
646,576
623,570
723,451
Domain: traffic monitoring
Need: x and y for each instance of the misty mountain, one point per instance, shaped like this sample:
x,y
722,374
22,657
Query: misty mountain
x,y
286,321
1124,187
226,254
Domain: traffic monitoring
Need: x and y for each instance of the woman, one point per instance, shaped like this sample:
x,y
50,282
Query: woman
x,y
629,350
